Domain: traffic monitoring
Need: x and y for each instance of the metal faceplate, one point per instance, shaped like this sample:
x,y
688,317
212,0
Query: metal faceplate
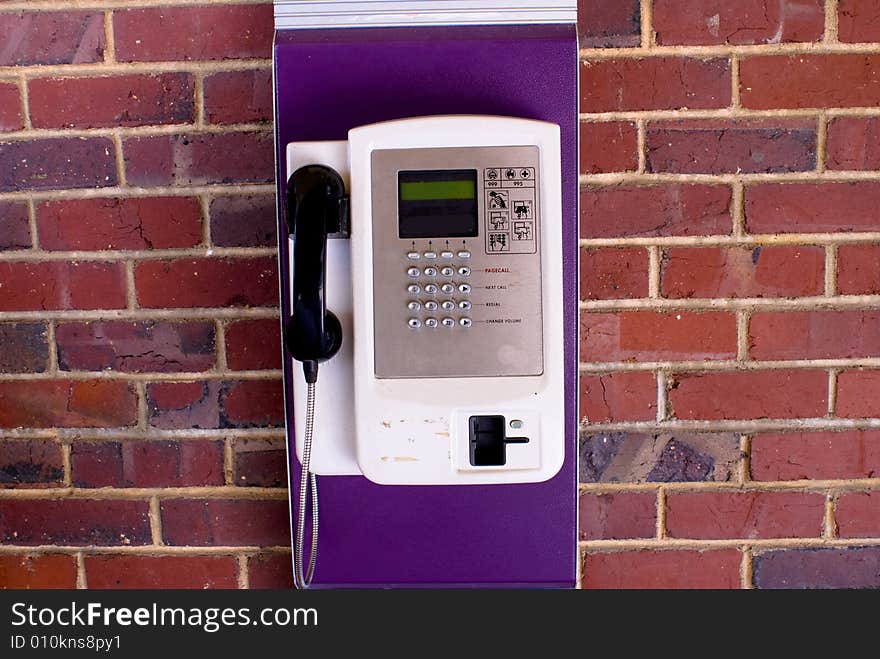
x,y
488,321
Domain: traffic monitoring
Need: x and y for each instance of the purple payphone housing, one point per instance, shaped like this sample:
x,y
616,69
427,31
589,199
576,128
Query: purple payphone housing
x,y
330,80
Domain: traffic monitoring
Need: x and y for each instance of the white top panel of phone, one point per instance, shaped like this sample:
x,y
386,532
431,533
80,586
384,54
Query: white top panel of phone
x,y
449,291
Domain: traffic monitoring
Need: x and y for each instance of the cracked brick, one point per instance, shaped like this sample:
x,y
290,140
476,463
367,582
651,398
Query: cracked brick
x,y
717,515
67,403
134,223
745,22
136,347
627,396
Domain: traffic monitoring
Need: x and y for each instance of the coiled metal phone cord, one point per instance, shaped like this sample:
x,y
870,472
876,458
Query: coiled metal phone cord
x,y
307,480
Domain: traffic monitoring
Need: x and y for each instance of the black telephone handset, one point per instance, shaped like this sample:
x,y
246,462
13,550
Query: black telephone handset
x,y
316,206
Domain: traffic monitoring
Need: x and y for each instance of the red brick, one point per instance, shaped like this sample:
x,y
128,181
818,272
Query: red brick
x,y
847,567
655,83
617,516
246,221
815,455
193,33
15,232
181,405
858,515
612,397
132,223
858,21
189,463
23,348
853,143
56,163
251,403
810,81
55,285
64,403
858,270
815,335
750,395
733,272
858,393
608,147
812,207
260,463
608,23
108,571
210,522
200,159
136,347
253,345
229,282
57,37
663,210
746,22
648,335
37,571
239,97
110,101
74,522
716,515
662,569
273,571
10,107
731,146
608,274
30,463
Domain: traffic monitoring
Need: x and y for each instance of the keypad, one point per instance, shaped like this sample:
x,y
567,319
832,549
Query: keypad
x,y
448,271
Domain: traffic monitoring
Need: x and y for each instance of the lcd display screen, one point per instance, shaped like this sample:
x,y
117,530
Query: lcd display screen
x,y
437,203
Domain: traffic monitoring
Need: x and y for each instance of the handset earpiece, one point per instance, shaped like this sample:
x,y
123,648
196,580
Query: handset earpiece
x,y
316,207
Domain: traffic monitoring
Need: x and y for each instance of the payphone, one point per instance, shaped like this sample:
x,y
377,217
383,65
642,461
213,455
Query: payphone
x,y
448,300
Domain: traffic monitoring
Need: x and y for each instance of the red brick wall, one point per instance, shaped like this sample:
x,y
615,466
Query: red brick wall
x,y
730,263
730,295
141,440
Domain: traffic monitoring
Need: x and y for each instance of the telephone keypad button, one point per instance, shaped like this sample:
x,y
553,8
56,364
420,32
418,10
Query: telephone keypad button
x,y
431,305
414,323
431,322
448,305
464,288
465,322
446,255
447,288
464,305
431,289
413,272
413,305
430,272
413,256
430,255
413,289
464,271
448,322
447,271
464,254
